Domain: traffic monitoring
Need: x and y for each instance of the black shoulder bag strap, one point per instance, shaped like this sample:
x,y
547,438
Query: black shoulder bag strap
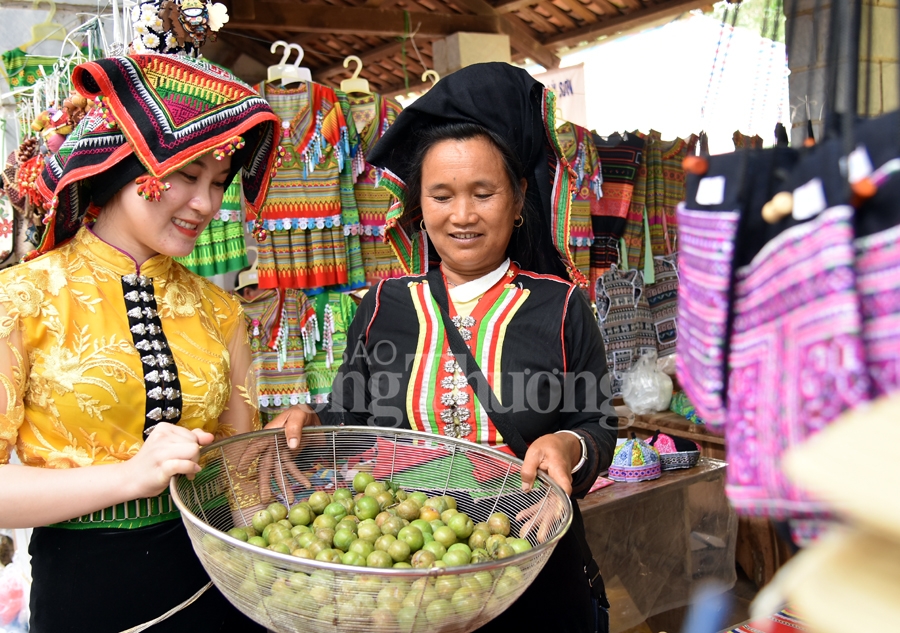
x,y
479,384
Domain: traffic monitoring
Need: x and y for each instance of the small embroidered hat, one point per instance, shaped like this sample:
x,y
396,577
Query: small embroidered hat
x,y
674,452
635,461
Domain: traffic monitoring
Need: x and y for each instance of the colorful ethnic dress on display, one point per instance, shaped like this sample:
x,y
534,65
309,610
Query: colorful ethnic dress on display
x,y
619,166
373,115
305,245
577,145
282,328
652,223
334,312
221,247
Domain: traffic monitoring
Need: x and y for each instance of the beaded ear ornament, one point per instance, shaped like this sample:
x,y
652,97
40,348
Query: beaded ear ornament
x,y
150,188
259,232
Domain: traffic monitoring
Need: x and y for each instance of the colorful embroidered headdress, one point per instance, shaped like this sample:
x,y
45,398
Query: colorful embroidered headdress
x,y
511,104
153,115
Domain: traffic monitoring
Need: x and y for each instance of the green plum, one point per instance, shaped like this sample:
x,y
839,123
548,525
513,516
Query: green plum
x,y
445,536
342,539
379,559
361,480
238,533
341,493
278,511
353,558
261,519
413,537
398,550
301,514
435,548
498,523
461,525
336,510
318,501
439,612
367,508
362,547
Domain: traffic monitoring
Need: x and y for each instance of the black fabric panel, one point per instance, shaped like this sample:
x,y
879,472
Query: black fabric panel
x,y
108,580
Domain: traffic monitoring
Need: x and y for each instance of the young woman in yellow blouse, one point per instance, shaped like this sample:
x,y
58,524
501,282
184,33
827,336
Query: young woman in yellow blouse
x,y
116,363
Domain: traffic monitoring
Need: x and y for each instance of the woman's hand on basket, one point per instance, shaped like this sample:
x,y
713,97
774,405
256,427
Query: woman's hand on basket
x,y
554,454
168,450
293,420
541,518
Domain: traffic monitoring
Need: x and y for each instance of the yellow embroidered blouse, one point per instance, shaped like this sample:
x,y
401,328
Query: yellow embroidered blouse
x,y
72,380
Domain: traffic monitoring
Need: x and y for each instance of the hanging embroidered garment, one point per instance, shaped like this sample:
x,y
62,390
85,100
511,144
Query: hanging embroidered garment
x,y
221,248
625,321
305,245
619,164
334,312
282,327
356,276
662,297
770,332
665,189
577,145
23,70
659,188
878,255
373,115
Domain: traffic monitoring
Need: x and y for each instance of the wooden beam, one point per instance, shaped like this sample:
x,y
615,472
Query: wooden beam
x,y
555,12
368,57
609,9
250,47
322,18
625,22
582,11
242,10
508,6
519,37
415,85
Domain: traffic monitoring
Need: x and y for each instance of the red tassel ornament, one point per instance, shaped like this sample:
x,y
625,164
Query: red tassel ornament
x,y
150,188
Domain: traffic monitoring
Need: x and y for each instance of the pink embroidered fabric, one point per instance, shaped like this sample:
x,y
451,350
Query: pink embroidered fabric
x,y
796,360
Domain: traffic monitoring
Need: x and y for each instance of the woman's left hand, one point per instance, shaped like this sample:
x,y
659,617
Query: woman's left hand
x,y
554,454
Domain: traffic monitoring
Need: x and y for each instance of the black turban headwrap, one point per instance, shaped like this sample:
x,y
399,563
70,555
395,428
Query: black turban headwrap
x,y
514,106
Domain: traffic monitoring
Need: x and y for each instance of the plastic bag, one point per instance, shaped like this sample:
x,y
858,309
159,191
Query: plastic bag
x,y
645,389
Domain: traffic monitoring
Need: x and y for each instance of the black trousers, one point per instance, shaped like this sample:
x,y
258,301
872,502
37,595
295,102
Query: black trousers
x,y
108,580
558,601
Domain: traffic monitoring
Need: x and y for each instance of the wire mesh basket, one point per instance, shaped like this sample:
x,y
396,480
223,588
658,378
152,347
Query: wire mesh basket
x,y
243,474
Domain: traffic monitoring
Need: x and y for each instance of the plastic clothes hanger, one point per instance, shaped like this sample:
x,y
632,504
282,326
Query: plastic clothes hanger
x,y
46,30
288,73
433,75
249,277
355,84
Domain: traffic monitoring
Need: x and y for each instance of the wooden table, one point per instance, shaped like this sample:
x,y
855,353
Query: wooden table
x,y
654,540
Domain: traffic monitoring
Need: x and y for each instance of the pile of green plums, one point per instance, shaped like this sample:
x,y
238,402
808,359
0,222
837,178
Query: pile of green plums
x,y
381,526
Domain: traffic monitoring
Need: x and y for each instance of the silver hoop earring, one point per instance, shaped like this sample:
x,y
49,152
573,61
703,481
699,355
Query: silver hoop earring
x,y
520,220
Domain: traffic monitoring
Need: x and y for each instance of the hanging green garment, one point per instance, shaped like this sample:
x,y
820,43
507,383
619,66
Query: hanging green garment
x,y
221,248
334,312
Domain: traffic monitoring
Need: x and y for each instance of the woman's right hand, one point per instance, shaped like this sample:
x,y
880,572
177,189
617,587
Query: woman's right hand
x,y
293,420
168,450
